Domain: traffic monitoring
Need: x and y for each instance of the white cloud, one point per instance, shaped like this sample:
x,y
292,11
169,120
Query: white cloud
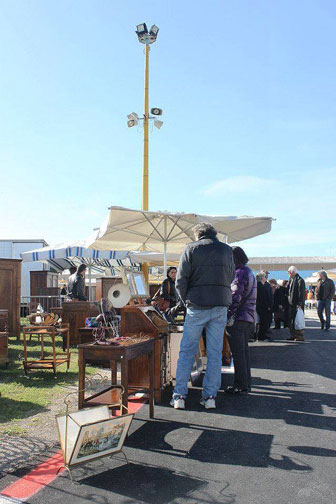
x,y
239,184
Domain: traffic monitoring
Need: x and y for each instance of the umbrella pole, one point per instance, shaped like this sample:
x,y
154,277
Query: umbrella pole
x,y
90,283
165,259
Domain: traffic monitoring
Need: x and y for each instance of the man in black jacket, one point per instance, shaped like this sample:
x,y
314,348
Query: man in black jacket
x,y
203,281
325,291
76,285
296,299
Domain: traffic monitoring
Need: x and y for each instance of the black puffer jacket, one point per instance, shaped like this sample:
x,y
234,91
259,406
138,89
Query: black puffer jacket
x,y
205,273
296,292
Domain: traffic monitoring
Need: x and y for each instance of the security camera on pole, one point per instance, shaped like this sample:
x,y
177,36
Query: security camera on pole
x,y
146,37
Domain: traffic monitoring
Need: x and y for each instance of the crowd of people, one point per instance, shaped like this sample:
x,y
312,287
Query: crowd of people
x,y
221,293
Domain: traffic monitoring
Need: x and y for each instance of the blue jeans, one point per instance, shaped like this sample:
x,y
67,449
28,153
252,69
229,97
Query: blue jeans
x,y
214,320
321,306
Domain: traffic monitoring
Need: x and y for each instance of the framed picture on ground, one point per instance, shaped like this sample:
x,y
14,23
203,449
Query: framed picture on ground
x,y
91,433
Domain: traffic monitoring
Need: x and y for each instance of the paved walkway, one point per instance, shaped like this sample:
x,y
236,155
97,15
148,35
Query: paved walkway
x,y
276,445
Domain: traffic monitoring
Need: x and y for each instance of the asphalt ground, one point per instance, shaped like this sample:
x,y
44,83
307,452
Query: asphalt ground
x,y
276,445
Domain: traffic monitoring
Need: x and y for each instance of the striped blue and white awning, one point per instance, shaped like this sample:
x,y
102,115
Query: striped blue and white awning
x,y
62,256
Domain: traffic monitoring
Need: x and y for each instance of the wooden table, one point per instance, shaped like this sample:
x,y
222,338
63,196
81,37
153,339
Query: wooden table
x,y
44,362
114,354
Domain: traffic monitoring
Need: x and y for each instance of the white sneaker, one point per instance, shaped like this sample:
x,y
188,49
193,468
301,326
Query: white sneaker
x,y
178,403
209,403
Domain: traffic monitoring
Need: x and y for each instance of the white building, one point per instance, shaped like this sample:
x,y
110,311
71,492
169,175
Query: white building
x,y
12,249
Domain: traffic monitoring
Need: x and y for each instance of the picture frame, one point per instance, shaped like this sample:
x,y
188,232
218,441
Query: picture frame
x,y
91,433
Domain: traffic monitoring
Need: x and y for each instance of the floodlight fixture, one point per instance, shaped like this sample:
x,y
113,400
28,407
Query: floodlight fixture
x,y
133,115
156,111
154,30
143,35
141,29
158,124
132,122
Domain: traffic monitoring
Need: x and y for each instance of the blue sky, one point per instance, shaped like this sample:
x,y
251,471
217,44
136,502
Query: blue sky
x,y
248,91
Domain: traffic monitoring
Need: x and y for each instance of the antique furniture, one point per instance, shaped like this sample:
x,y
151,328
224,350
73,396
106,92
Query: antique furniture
x,y
126,355
4,348
3,320
85,335
75,313
145,319
40,281
103,285
46,361
10,291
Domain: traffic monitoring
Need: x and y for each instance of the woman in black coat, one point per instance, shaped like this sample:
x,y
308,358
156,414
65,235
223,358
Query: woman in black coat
x,y
262,307
168,290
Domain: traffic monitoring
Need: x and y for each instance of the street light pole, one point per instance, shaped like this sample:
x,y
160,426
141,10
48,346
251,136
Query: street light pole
x,y
146,131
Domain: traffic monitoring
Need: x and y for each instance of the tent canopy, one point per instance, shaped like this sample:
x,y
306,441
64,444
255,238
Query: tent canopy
x,y
65,255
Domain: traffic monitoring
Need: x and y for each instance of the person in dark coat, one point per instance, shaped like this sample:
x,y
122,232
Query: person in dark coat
x,y
77,284
262,307
280,305
203,282
72,271
270,300
167,289
169,293
296,299
325,292
241,320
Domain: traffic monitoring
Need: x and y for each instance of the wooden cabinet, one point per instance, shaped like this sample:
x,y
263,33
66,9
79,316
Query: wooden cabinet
x,y
75,313
10,292
4,348
42,281
144,319
103,285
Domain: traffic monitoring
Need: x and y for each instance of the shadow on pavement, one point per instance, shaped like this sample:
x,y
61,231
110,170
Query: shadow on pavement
x,y
145,483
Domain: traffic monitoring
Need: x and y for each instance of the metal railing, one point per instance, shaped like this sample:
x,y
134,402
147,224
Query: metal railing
x,y
30,304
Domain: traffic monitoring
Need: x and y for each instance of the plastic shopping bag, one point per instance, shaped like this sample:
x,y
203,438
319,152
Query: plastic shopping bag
x,y
299,323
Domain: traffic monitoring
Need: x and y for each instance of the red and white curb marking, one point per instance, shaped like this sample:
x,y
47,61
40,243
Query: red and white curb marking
x,y
45,473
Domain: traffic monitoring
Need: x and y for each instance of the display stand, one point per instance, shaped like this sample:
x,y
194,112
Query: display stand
x,y
45,362
92,433
125,355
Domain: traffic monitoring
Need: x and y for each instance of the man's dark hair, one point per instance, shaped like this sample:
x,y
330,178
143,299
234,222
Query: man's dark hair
x,y
204,230
72,270
239,256
81,268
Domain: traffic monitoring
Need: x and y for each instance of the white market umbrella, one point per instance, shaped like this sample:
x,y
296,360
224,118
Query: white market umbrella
x,y
129,229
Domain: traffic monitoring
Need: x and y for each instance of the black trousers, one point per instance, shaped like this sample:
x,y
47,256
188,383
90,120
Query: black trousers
x,y
263,326
238,336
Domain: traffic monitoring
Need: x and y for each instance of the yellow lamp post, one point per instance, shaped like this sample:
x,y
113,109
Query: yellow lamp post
x,y
146,37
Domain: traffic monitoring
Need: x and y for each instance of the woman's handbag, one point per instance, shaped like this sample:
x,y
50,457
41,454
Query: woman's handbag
x,y
159,301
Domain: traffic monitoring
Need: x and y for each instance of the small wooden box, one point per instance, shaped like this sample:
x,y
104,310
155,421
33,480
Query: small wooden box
x,y
4,348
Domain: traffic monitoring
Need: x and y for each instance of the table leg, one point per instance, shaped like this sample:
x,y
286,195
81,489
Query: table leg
x,y
113,372
81,378
67,346
151,383
124,380
42,346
